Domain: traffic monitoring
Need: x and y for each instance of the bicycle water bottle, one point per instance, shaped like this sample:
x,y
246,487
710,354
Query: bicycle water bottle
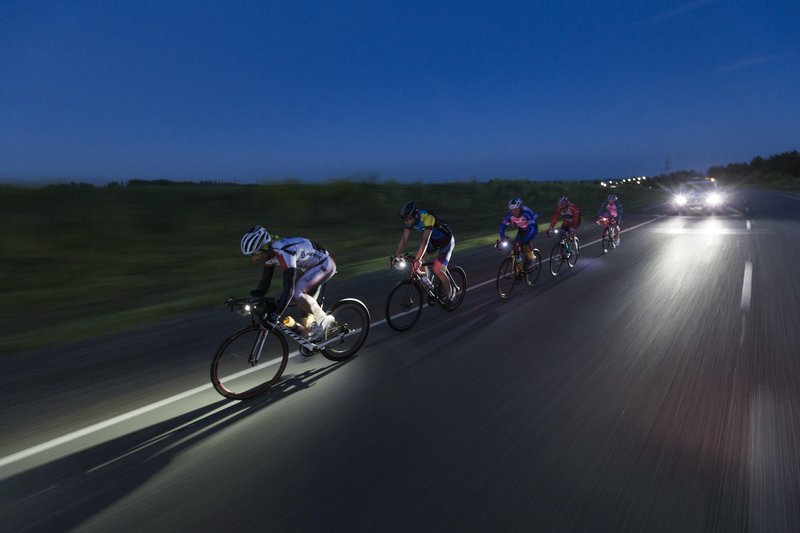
x,y
426,282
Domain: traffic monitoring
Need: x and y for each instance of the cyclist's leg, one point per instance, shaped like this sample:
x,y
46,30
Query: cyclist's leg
x,y
307,284
526,238
440,265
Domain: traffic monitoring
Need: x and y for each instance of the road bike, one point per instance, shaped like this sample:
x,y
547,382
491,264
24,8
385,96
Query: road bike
x,y
610,237
407,298
566,250
516,267
253,359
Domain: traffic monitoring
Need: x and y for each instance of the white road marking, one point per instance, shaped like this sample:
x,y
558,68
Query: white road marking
x,y
749,226
94,428
746,285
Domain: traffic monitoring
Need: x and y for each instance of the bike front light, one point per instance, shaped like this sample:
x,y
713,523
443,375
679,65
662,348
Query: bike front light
x,y
504,244
402,264
680,199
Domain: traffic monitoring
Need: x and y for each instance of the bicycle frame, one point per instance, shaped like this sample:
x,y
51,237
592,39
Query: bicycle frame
x,y
245,308
417,278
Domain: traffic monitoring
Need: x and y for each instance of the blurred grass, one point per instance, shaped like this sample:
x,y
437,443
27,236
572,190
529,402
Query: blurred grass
x,y
77,261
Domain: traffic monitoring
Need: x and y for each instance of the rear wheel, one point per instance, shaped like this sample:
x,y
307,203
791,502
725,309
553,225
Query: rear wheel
x,y
556,259
404,305
458,276
351,327
249,362
533,268
506,278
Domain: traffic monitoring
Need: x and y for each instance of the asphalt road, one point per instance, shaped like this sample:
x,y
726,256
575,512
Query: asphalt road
x,y
656,388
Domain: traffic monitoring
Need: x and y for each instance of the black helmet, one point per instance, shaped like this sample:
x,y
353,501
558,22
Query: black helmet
x,y
408,209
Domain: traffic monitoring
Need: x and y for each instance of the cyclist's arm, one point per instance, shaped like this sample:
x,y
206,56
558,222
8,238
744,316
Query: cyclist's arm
x,y
265,282
503,225
423,246
403,240
555,219
288,290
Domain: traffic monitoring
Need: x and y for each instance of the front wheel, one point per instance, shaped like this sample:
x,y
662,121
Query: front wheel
x,y
607,240
533,268
351,327
404,305
249,362
506,278
556,258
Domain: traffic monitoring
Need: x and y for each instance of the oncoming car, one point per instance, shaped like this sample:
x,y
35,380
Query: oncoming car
x,y
699,195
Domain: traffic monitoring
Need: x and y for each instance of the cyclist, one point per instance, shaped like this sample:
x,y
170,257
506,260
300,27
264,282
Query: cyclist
x,y
436,235
612,208
291,254
570,217
524,219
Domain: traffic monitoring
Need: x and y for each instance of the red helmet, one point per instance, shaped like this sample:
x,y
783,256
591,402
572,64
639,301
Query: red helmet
x,y
563,202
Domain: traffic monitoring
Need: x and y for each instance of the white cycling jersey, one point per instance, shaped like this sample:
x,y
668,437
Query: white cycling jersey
x,y
297,252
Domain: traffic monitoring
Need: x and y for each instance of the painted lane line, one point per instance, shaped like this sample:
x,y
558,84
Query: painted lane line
x,y
749,226
747,285
94,428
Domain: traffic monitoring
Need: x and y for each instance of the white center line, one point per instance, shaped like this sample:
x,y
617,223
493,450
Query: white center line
x,y
24,454
746,285
748,225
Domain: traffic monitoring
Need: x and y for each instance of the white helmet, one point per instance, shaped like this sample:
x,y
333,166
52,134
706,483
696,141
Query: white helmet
x,y
515,203
254,240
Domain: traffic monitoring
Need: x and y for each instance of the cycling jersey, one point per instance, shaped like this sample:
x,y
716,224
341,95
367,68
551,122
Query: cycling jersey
x,y
292,254
440,231
570,216
526,222
614,209
296,252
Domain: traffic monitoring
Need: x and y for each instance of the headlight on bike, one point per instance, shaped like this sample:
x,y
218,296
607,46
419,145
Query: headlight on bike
x,y
680,199
504,244
402,264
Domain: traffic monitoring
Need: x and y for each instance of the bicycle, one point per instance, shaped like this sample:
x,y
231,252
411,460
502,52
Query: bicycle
x,y
610,236
566,250
406,299
516,267
253,359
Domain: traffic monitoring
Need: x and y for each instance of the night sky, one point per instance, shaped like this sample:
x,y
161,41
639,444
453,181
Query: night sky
x,y
435,90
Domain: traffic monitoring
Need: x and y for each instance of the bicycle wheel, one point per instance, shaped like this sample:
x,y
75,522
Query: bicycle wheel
x,y
575,251
458,276
606,240
556,259
352,327
506,278
533,269
404,305
235,377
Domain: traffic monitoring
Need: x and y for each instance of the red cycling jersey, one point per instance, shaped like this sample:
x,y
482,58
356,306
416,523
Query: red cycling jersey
x,y
570,216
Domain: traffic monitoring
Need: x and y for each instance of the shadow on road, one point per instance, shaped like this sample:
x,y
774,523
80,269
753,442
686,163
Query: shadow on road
x,y
64,493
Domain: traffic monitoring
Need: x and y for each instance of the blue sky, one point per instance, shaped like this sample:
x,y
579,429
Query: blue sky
x,y
254,91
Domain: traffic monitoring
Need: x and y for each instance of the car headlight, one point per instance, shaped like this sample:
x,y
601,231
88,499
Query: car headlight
x,y
714,199
680,199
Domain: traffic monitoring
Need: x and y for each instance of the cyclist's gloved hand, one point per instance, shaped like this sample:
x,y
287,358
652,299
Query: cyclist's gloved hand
x,y
273,318
392,261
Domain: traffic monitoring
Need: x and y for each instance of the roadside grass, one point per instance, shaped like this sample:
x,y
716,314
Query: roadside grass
x,y
78,261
